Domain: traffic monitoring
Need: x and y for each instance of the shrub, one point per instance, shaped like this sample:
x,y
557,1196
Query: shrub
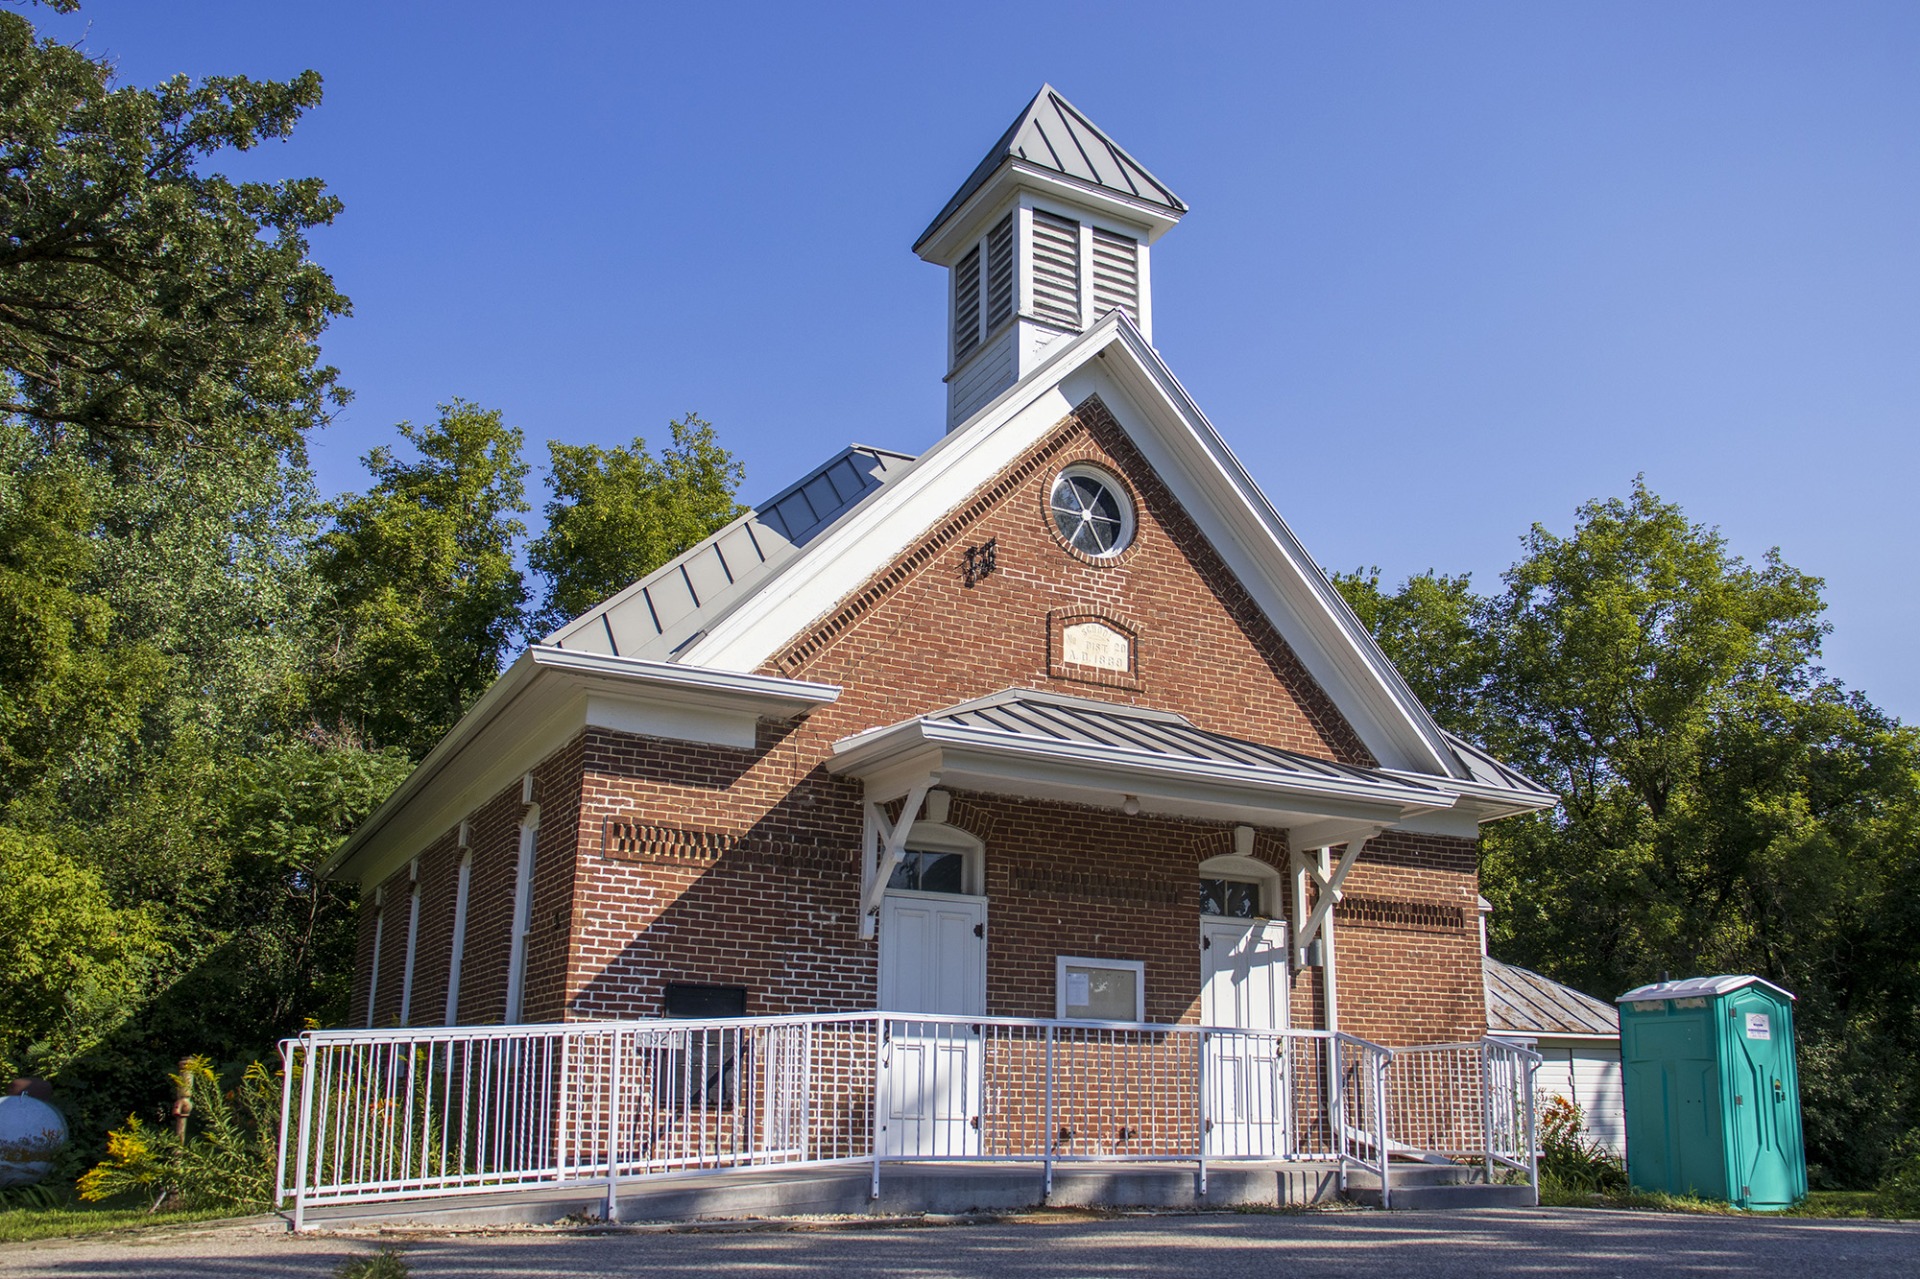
x,y
1572,1161
226,1160
1900,1190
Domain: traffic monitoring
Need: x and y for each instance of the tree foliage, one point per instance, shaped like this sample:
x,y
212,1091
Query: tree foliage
x,y
617,514
71,961
208,677
423,591
1724,805
143,297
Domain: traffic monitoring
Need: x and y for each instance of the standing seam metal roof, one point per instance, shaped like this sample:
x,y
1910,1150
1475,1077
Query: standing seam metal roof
x,y
1051,134
1521,1001
656,616
1133,730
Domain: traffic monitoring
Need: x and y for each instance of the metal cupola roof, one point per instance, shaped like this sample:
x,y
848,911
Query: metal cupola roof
x,y
1052,137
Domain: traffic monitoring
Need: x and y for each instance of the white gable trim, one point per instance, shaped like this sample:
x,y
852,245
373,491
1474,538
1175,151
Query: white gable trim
x,y
1111,360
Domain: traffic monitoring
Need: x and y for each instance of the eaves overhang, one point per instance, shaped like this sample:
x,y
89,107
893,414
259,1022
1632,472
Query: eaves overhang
x,y
969,758
1488,801
537,705
955,227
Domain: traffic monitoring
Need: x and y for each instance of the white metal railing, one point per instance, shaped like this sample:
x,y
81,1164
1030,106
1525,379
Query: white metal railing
x,y
1467,1101
382,1115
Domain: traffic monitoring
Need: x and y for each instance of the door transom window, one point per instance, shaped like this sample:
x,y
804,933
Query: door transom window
x,y
927,870
1230,898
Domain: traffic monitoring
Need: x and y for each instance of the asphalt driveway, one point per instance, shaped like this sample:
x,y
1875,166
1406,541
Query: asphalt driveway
x,y
1227,1246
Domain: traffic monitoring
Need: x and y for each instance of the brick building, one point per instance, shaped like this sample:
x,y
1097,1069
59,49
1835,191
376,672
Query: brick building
x,y
1055,720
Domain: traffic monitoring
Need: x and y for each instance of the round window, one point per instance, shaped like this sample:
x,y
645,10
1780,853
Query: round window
x,y
1091,512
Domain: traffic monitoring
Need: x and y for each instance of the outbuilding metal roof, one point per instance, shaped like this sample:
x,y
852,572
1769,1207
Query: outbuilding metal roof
x,y
657,615
1521,1001
1050,134
1119,736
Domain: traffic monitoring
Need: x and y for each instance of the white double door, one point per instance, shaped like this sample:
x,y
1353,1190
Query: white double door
x,y
1244,986
933,959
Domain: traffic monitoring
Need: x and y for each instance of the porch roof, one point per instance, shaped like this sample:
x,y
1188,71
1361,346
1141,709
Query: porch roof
x,y
1050,746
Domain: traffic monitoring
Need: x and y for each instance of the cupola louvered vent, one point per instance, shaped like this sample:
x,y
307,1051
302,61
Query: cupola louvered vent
x,y
966,305
1116,273
1056,269
1000,273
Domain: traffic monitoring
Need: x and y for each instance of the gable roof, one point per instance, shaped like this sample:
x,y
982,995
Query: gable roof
x,y
658,614
1521,1001
1113,361
1051,136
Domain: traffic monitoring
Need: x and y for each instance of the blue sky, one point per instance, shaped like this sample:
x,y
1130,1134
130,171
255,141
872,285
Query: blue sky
x,y
1451,269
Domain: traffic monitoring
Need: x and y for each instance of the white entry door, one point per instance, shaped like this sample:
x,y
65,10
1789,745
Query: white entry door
x,y
1243,967
933,959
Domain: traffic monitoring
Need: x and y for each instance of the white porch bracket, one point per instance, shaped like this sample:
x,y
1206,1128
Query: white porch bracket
x,y
1314,865
884,843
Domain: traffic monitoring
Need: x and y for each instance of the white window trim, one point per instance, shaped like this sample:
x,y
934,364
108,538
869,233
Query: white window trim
x,y
379,937
413,945
1062,962
462,886
1122,495
522,915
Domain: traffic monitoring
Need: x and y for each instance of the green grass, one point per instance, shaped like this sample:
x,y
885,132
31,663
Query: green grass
x,y
385,1264
1821,1203
23,1225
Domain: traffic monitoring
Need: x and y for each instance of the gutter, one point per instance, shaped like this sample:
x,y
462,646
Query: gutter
x,y
668,681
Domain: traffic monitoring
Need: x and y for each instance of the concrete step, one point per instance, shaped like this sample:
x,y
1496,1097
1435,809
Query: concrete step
x,y
1437,1187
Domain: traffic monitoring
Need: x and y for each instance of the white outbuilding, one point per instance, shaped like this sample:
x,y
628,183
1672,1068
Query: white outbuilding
x,y
1577,1034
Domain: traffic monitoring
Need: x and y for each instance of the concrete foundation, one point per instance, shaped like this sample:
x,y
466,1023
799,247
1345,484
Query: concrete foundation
x,y
846,1190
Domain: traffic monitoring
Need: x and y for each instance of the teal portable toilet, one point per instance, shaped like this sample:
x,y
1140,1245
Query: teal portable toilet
x,y
1712,1093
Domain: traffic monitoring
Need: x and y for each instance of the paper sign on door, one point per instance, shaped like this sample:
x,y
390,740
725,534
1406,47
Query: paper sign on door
x,y
1759,1026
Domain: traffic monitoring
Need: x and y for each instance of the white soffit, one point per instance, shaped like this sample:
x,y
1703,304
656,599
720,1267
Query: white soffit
x,y
537,706
1114,361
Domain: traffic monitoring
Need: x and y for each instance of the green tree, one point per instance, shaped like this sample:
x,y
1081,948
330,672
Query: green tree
x,y
142,297
71,961
70,692
1724,806
423,594
618,514
1431,628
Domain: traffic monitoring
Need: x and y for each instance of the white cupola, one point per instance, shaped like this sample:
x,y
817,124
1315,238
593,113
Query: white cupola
x,y
1049,234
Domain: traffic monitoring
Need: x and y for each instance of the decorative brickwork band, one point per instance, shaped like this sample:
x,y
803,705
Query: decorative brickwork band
x,y
1381,912
625,840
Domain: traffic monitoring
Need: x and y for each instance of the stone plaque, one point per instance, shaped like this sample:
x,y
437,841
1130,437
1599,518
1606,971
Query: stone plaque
x,y
1098,645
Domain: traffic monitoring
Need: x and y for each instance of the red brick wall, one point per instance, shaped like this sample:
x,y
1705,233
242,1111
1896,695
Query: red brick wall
x,y
744,865
1407,942
741,867
916,638
494,843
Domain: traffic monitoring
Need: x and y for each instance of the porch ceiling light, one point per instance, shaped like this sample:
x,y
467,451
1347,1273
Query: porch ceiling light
x,y
1131,806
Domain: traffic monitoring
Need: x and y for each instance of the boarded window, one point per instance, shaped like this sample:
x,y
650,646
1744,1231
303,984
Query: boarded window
x,y
1116,273
1056,269
702,1068
966,305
